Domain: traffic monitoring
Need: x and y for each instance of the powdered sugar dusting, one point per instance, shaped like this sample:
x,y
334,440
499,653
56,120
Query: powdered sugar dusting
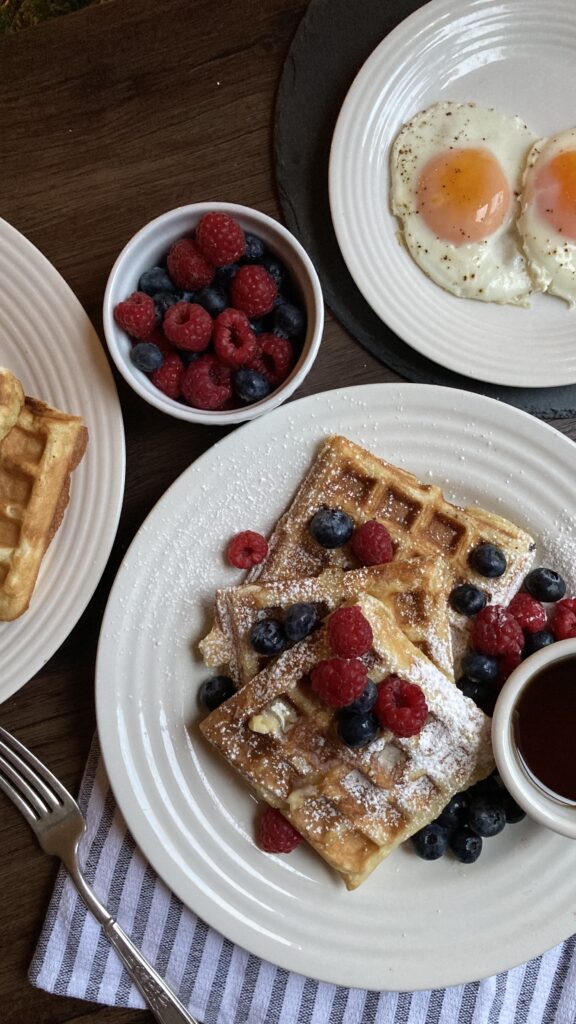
x,y
384,798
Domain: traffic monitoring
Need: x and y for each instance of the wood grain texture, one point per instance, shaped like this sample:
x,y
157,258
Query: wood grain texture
x,y
108,117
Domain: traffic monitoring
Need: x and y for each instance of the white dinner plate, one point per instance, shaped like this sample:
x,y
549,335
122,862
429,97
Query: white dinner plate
x,y
517,56
48,342
412,924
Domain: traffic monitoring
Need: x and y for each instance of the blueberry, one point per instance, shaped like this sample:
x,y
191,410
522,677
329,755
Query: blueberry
x,y
513,812
163,301
157,279
288,320
255,248
454,814
331,528
470,688
357,730
480,668
187,297
545,585
536,641
250,386
267,636
366,701
465,845
188,357
299,621
482,694
146,356
488,560
215,691
489,786
212,300
431,842
224,275
275,269
467,599
259,326
486,815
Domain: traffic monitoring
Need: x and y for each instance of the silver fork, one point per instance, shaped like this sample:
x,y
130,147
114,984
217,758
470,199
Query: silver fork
x,y
57,822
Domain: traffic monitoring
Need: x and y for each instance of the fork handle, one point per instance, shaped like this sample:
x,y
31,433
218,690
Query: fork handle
x,y
161,1000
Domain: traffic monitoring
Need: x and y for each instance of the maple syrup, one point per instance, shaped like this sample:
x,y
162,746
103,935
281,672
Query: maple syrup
x,y
544,723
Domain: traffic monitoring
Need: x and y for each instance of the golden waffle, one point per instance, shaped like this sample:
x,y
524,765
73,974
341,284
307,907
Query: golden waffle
x,y
353,806
421,522
11,400
37,456
415,592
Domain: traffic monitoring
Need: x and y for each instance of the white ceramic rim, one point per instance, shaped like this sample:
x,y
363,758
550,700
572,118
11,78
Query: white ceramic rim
x,y
530,797
194,819
515,56
48,341
139,382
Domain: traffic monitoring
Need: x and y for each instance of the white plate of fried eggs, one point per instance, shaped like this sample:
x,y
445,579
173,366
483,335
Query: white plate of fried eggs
x,y
453,187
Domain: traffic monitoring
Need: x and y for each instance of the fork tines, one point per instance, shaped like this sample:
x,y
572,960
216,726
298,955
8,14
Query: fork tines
x,y
23,778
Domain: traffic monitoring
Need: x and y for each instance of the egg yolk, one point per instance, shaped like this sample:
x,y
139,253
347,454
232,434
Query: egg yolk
x,y
555,188
463,195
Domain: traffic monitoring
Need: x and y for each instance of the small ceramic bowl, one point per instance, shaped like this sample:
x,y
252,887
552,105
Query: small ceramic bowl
x,y
150,245
558,815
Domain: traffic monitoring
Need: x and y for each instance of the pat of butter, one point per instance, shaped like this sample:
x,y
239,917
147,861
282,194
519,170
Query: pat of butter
x,y
278,717
299,796
265,723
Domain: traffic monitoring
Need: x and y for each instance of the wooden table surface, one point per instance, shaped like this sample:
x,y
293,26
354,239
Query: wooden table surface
x,y
109,117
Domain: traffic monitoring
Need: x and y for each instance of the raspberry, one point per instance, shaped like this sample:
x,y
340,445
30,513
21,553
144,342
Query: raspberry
x,y
234,339
207,384
136,315
253,290
339,681
563,624
274,358
188,326
187,266
247,549
528,612
168,377
372,544
220,238
506,665
276,834
495,631
349,632
401,706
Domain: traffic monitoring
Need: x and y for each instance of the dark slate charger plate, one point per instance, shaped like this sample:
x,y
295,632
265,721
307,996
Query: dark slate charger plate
x,y
332,42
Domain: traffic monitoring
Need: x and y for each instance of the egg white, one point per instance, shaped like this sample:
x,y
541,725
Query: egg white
x,y
551,257
490,270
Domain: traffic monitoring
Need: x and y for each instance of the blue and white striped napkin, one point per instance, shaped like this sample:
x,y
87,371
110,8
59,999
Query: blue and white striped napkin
x,y
223,984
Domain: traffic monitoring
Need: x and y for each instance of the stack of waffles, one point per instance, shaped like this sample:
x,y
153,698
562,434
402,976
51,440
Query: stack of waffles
x,y
39,449
354,806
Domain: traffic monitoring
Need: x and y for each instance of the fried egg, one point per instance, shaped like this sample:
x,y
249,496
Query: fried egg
x,y
547,223
456,173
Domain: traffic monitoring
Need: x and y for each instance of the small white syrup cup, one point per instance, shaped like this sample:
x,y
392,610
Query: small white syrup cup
x,y
555,813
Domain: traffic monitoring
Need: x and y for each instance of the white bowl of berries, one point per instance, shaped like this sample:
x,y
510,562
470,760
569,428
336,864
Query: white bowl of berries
x,y
213,313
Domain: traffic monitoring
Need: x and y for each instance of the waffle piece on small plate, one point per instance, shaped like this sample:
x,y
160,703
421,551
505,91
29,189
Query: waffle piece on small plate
x,y
353,806
38,454
11,400
415,591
